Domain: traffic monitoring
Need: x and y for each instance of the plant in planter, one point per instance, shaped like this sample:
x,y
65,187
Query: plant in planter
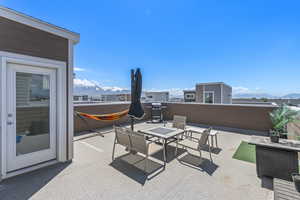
x,y
274,136
280,118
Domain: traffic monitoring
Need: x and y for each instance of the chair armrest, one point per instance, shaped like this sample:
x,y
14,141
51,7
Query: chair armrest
x,y
195,131
152,141
190,137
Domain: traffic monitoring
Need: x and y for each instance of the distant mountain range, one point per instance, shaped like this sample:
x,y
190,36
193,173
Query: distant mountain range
x,y
92,88
292,96
266,95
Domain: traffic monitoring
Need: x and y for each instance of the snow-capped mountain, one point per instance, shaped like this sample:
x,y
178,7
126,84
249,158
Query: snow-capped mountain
x,y
253,95
93,88
292,96
266,95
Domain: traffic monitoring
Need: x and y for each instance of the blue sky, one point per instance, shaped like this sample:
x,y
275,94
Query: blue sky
x,y
252,45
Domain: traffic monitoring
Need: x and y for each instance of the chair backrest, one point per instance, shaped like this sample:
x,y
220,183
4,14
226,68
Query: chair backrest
x,y
204,138
122,136
179,122
138,142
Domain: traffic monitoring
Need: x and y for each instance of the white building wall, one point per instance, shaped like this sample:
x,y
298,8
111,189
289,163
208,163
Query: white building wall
x,y
157,96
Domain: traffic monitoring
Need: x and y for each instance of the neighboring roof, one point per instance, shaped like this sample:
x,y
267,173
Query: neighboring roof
x,y
38,24
213,83
189,90
157,92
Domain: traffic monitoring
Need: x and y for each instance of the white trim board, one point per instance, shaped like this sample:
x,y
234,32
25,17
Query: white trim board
x,y
61,101
2,115
38,24
70,109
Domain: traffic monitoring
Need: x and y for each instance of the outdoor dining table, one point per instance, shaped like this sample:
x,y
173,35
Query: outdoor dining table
x,y
167,134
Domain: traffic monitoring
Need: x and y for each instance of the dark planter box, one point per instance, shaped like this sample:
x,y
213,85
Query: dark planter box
x,y
276,163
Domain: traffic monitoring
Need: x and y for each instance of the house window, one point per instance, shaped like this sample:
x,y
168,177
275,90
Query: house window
x,y
189,96
209,97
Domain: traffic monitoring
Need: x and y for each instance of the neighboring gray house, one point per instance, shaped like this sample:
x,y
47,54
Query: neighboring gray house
x,y
115,97
216,93
189,95
80,97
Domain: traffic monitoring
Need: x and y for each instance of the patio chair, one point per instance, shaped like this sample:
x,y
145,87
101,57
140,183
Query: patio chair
x,y
122,138
195,143
179,122
135,142
140,144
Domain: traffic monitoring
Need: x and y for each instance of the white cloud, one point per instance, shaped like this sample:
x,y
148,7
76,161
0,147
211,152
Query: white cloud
x,y
84,83
78,69
92,83
113,88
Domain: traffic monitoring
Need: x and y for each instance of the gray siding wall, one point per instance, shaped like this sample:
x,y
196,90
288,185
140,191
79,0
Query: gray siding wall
x,y
22,39
227,94
199,93
216,89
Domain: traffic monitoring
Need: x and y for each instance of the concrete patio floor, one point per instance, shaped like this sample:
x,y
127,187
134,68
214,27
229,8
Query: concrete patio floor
x,y
93,175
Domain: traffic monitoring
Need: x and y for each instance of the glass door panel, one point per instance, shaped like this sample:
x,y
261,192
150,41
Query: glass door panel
x,y
32,112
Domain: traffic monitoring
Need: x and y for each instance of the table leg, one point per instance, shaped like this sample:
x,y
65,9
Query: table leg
x,y
166,148
216,140
212,141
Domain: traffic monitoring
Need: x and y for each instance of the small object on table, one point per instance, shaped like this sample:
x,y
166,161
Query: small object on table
x,y
284,190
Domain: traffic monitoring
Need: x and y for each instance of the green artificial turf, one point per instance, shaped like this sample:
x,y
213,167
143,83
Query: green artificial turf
x,y
245,152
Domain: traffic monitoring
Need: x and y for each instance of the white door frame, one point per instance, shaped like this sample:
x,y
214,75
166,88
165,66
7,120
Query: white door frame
x,y
14,161
6,57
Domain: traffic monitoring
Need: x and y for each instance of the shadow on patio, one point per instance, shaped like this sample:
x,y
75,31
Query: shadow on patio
x,y
199,163
25,186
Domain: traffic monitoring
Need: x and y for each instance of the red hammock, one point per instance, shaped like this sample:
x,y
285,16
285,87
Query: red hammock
x,y
105,117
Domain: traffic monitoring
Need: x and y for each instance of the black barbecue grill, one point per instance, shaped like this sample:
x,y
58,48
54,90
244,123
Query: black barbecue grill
x,y
156,112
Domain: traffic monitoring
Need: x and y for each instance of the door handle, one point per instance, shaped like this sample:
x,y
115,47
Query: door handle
x,y
10,123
